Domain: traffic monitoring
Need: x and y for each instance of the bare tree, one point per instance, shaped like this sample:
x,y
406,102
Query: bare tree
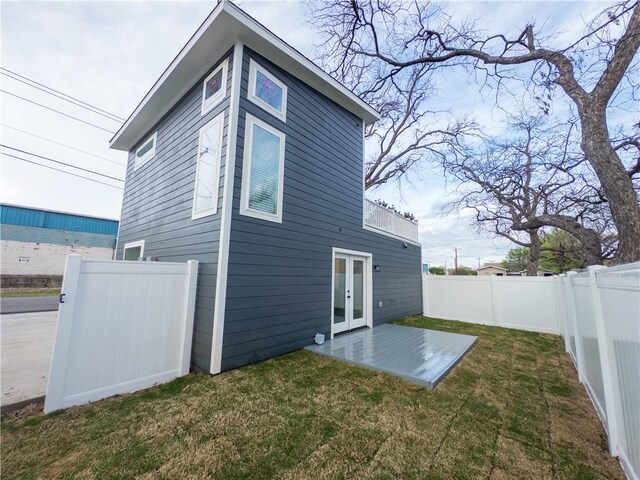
x,y
386,38
407,132
530,181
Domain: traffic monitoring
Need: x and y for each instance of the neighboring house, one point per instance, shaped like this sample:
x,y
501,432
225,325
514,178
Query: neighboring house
x,y
35,243
492,269
523,273
247,157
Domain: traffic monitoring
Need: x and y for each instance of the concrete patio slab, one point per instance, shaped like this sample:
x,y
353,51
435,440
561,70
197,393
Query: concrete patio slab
x,y
419,355
27,343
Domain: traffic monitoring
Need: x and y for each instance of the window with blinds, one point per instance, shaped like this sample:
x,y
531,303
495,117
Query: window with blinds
x,y
205,195
263,171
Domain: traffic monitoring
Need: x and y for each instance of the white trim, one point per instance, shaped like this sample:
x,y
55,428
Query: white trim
x,y
225,25
139,162
364,162
250,121
216,98
219,119
225,220
254,67
368,304
268,37
391,235
139,243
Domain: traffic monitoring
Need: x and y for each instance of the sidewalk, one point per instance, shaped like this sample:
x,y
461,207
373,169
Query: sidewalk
x,y
27,342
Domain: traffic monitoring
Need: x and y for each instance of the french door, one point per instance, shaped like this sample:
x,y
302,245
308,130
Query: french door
x,y
350,292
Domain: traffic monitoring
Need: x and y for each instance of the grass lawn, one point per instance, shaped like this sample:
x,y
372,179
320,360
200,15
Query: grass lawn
x,y
513,408
29,292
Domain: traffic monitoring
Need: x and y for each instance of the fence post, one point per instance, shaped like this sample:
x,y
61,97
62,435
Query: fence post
x,y
58,366
425,286
576,332
607,363
189,310
561,307
495,311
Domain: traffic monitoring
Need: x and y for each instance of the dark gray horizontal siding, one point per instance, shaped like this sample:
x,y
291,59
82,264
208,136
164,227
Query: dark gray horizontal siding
x,y
279,280
158,200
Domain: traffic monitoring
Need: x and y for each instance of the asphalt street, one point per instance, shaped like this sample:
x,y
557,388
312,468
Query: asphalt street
x,y
28,304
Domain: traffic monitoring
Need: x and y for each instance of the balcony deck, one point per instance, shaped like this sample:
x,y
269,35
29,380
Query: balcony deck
x,y
387,221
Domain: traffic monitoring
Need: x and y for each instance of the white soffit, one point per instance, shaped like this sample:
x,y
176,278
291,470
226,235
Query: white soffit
x,y
223,27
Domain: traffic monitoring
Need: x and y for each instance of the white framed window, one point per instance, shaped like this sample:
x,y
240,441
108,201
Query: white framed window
x,y
146,151
133,250
214,87
205,191
262,171
267,91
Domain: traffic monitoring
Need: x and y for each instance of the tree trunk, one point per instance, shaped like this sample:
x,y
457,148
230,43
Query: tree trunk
x,y
589,239
534,254
615,181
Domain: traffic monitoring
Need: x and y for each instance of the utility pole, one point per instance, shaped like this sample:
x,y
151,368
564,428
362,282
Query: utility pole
x,y
445,268
478,262
455,261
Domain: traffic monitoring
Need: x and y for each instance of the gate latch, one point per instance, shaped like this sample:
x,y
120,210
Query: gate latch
x,y
62,297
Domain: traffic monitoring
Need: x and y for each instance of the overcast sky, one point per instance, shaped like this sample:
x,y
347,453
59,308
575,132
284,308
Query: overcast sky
x,y
110,53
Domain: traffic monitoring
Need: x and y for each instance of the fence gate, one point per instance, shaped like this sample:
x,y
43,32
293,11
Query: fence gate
x,y
122,326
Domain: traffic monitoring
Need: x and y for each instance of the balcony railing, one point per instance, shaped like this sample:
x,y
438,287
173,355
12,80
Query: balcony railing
x,y
381,218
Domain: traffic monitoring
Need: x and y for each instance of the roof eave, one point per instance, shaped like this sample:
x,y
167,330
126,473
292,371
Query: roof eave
x,y
197,56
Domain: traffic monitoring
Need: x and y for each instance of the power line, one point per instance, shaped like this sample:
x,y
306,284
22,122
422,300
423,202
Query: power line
x,y
60,170
63,163
65,99
59,94
64,145
57,111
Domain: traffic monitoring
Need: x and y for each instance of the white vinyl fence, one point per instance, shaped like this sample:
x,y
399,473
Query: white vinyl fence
x,y
597,313
601,326
123,326
525,303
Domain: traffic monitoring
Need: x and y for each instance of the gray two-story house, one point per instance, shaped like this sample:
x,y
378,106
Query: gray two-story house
x,y
247,157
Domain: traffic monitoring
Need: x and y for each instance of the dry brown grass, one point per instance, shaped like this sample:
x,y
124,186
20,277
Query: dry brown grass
x,y
513,408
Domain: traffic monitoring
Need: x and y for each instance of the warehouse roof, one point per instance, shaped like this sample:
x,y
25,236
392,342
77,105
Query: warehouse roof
x,y
35,217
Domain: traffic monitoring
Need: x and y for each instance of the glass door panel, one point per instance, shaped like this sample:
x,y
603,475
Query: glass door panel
x,y
350,277
357,293
340,294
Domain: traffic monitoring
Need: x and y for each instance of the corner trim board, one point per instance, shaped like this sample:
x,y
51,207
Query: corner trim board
x,y
225,220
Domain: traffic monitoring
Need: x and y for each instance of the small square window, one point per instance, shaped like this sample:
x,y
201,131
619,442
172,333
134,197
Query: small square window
x,y
133,250
267,91
214,88
146,151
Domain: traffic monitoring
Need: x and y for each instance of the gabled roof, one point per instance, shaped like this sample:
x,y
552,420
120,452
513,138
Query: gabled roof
x,y
224,26
492,266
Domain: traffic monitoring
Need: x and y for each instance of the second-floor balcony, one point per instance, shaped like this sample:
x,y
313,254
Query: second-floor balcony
x,y
382,218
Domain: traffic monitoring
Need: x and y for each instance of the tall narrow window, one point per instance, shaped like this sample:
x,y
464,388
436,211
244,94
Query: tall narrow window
x,y
214,88
205,195
267,91
146,151
263,171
